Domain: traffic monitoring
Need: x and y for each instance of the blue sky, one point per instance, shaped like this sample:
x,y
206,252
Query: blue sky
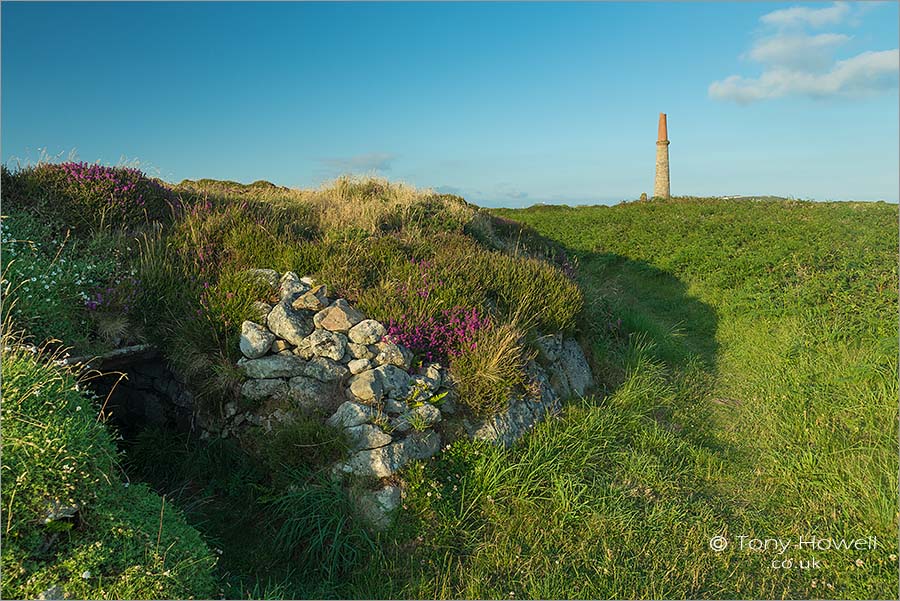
x,y
507,104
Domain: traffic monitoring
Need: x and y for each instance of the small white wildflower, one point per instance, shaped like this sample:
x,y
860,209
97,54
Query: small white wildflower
x,y
86,574
78,408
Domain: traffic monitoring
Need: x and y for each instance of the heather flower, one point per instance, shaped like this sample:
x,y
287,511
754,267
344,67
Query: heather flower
x,y
439,339
111,195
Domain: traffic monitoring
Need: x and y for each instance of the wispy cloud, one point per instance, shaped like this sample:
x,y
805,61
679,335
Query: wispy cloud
x,y
797,51
803,16
796,63
360,163
865,73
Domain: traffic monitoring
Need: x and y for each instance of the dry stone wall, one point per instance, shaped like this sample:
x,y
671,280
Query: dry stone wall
x,y
312,354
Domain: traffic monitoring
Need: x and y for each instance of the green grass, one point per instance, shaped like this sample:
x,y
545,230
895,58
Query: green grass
x,y
749,353
746,354
772,329
114,540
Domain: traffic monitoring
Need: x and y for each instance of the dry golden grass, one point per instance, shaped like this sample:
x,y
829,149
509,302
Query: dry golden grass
x,y
366,203
487,375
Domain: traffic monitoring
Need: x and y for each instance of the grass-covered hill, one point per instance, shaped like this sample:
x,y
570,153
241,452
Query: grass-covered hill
x,y
745,354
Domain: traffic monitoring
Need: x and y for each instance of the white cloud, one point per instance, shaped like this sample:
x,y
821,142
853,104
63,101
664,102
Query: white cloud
x,y
796,63
863,74
799,51
800,16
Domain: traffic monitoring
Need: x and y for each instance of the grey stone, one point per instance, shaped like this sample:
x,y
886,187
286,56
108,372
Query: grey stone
x,y
359,351
358,365
423,416
367,386
394,381
261,311
324,369
291,325
367,436
549,347
432,373
368,331
291,287
377,507
575,366
272,366
256,390
350,414
394,406
60,511
323,343
393,354
255,340
314,300
521,414
376,463
418,445
309,394
263,276
339,316
281,416
304,350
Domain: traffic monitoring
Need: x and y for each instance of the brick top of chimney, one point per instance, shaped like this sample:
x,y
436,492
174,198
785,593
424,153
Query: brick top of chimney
x,y
663,134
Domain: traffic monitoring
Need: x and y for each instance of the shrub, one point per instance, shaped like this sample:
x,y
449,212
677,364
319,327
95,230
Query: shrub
x,y
487,373
69,520
90,196
439,339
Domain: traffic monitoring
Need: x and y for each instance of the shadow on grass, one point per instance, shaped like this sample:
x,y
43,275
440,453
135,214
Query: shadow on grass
x,y
652,302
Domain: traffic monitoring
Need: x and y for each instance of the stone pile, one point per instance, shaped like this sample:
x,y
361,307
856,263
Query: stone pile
x,y
310,354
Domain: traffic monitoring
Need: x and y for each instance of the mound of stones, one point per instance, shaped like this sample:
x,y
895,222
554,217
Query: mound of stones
x,y
308,353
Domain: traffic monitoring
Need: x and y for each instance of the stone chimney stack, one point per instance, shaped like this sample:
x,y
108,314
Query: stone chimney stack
x,y
661,185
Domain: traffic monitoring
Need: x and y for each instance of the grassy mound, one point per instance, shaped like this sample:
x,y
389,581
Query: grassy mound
x,y
403,256
70,521
454,283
